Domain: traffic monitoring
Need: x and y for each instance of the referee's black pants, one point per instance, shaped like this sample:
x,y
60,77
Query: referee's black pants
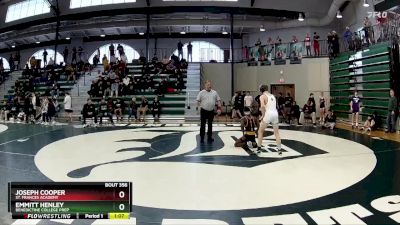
x,y
206,116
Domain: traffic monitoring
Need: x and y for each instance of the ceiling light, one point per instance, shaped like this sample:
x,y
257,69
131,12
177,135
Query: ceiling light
x,y
366,4
141,33
339,15
12,46
102,35
224,31
262,28
67,38
183,31
301,18
38,42
205,29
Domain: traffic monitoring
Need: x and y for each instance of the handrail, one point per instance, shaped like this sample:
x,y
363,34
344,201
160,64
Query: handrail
x,y
378,34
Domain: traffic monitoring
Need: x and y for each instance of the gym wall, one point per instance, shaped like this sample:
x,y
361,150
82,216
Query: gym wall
x,y
220,76
310,76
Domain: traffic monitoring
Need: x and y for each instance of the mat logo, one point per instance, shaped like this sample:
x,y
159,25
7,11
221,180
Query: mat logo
x,y
170,170
3,128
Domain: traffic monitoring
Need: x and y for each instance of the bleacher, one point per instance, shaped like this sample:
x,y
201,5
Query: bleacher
x,y
172,103
43,88
368,72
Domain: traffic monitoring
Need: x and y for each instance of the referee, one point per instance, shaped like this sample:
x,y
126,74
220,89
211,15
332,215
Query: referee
x,y
207,99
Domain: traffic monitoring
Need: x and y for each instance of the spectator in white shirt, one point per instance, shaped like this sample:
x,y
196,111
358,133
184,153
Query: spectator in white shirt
x,y
51,62
124,58
248,99
68,105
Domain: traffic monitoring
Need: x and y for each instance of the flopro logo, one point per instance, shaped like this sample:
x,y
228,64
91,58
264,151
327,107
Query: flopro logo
x,y
382,15
170,171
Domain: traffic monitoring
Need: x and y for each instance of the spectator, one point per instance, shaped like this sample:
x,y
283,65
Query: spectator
x,y
1,66
106,64
89,111
93,92
355,108
368,33
28,109
17,60
44,110
180,83
120,50
51,111
357,42
68,105
329,38
96,60
113,61
45,57
307,112
65,54
313,108
126,80
55,89
321,108
335,44
239,104
348,37
258,43
133,109
36,105
330,120
149,82
11,62
278,41
119,108
80,52
261,53
294,40
180,50
111,48
248,100
371,123
295,112
73,60
105,111
156,109
316,45
131,87
307,43
392,113
189,49
288,106
124,59
245,53
114,81
51,62
107,88
5,111
143,109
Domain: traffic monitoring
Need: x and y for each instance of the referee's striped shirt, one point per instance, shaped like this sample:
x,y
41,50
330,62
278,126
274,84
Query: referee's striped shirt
x,y
208,99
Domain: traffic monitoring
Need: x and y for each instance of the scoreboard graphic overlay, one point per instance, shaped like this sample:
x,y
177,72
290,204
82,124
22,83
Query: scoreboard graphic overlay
x,y
108,200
